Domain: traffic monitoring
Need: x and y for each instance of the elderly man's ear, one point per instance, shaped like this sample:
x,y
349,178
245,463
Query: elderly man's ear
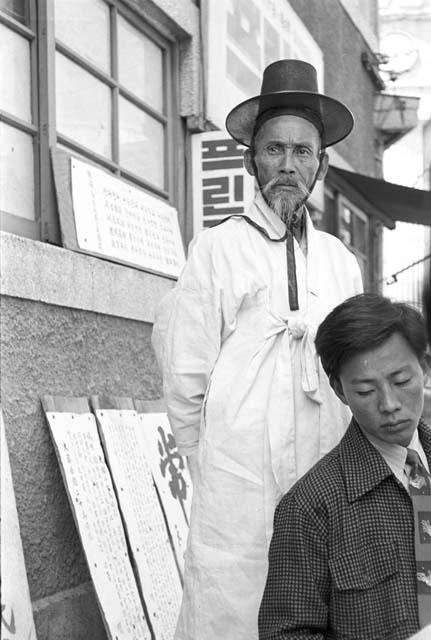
x,y
248,162
323,168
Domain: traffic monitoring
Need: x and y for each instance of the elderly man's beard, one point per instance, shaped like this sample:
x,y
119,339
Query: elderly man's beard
x,y
286,197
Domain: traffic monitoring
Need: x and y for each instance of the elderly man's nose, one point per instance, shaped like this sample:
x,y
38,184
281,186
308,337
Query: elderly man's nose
x,y
287,161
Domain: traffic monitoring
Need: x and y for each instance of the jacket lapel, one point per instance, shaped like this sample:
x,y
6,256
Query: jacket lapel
x,y
363,466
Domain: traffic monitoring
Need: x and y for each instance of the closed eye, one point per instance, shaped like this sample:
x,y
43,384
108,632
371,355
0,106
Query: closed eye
x,y
401,383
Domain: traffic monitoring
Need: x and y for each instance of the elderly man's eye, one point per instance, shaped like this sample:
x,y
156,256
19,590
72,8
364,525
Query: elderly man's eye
x,y
303,151
274,149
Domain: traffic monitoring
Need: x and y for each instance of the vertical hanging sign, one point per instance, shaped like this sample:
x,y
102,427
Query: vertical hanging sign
x,y
221,185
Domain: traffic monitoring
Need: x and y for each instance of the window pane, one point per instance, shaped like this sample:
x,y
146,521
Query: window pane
x,y
14,74
15,9
83,107
140,65
141,144
16,172
360,232
83,25
344,230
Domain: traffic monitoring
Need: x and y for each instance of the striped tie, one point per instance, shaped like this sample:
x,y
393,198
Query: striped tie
x,y
420,493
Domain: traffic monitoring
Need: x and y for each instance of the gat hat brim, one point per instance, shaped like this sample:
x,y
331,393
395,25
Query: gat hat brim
x,y
291,84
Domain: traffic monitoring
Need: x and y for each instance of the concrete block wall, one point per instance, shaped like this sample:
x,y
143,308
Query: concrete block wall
x,y
60,335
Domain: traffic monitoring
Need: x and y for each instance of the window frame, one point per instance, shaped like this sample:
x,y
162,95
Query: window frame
x,y
117,8
365,257
10,222
46,138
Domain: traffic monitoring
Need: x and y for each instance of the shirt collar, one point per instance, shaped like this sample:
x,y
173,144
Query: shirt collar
x,y
393,454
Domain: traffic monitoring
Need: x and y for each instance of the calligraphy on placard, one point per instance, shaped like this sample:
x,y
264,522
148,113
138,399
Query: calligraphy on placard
x,y
143,518
172,465
97,516
171,475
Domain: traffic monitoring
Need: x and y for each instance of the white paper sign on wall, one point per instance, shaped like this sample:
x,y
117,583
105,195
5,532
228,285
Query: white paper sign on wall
x,y
143,518
120,221
94,504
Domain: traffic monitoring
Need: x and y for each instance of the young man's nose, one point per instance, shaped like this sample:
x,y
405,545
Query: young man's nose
x,y
388,401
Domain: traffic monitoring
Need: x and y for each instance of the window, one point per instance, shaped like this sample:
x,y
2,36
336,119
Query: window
x,y
18,118
100,79
112,90
353,230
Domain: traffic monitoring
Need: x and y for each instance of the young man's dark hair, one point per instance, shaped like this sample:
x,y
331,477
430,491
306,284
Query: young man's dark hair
x,y
364,322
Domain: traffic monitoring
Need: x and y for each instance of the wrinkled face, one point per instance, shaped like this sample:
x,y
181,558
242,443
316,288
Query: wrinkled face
x,y
384,388
286,160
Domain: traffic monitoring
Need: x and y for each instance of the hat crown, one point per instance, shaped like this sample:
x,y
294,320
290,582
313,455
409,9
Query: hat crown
x,y
290,84
289,75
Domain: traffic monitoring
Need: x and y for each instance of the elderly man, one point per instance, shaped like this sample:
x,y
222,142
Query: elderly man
x,y
246,396
351,551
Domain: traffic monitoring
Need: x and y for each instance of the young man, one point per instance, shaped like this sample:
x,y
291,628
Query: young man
x,y
351,551
234,340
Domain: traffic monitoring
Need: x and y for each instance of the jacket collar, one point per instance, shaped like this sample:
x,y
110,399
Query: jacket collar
x,y
357,454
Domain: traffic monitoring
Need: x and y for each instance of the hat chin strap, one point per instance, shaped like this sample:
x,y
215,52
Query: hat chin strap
x,y
304,200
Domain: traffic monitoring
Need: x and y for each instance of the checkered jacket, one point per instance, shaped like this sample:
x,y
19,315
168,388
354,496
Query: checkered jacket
x,y
342,560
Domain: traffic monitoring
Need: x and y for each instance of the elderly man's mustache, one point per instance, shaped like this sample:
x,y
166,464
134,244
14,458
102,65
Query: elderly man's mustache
x,y
286,182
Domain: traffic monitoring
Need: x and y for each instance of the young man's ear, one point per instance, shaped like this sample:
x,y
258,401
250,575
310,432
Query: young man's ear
x,y
338,388
425,363
248,162
323,167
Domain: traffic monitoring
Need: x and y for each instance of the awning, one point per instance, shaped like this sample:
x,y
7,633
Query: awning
x,y
387,201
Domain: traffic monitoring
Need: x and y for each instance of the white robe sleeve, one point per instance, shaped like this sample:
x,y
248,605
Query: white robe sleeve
x,y
186,338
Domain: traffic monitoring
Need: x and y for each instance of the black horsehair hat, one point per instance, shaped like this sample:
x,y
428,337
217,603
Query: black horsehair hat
x,y
291,84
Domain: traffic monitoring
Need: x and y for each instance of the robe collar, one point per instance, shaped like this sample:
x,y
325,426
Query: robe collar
x,y
263,215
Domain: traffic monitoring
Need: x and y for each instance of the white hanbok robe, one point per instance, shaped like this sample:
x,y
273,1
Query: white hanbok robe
x,y
246,393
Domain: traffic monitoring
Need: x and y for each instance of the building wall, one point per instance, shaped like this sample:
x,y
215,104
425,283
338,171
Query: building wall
x,y
345,77
72,325
67,353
